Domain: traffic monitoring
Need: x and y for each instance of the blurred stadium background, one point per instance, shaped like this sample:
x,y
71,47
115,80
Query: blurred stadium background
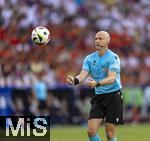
x,y
32,78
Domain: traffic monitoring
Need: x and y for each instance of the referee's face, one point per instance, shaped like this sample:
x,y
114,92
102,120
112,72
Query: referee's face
x,y
102,40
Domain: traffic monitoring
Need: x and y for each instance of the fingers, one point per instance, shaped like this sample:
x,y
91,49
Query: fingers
x,y
90,79
90,83
70,80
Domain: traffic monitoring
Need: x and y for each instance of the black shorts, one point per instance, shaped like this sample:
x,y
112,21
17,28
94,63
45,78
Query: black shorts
x,y
108,106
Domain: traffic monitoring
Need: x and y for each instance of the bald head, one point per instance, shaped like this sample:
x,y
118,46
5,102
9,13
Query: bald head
x,y
104,35
102,40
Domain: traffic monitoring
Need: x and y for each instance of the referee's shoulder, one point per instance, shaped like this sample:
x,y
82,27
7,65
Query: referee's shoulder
x,y
113,54
91,55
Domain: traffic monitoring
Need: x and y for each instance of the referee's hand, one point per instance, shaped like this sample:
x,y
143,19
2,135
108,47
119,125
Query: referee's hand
x,y
90,83
70,80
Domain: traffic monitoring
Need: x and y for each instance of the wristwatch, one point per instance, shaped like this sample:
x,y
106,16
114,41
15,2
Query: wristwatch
x,y
97,84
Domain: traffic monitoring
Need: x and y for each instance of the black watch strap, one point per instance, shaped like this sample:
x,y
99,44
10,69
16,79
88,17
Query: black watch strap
x,y
97,84
76,81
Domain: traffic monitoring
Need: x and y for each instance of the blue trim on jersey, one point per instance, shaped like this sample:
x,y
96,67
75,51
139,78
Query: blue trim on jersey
x,y
98,67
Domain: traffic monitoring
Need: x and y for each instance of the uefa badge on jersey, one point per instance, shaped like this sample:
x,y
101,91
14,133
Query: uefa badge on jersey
x,y
105,69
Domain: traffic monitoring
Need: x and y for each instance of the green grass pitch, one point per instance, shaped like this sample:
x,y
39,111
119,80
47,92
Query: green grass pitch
x,y
129,132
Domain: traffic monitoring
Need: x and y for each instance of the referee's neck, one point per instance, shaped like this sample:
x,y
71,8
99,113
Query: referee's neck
x,y
102,52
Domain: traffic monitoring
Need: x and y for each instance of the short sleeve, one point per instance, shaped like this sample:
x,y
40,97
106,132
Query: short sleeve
x,y
114,64
85,65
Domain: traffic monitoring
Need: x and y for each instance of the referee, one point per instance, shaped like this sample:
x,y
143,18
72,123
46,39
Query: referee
x,y
103,67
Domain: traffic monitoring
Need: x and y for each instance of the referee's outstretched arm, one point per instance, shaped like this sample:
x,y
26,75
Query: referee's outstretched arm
x,y
78,79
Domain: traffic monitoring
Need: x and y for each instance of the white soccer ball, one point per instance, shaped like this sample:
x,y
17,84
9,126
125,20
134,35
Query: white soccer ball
x,y
40,35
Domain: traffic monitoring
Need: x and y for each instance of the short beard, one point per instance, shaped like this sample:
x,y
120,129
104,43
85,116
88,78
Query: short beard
x,y
102,48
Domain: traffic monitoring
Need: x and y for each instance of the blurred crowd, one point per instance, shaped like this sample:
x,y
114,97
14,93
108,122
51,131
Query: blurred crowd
x,y
73,24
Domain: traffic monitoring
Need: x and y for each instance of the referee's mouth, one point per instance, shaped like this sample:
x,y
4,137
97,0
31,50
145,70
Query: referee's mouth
x,y
99,47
